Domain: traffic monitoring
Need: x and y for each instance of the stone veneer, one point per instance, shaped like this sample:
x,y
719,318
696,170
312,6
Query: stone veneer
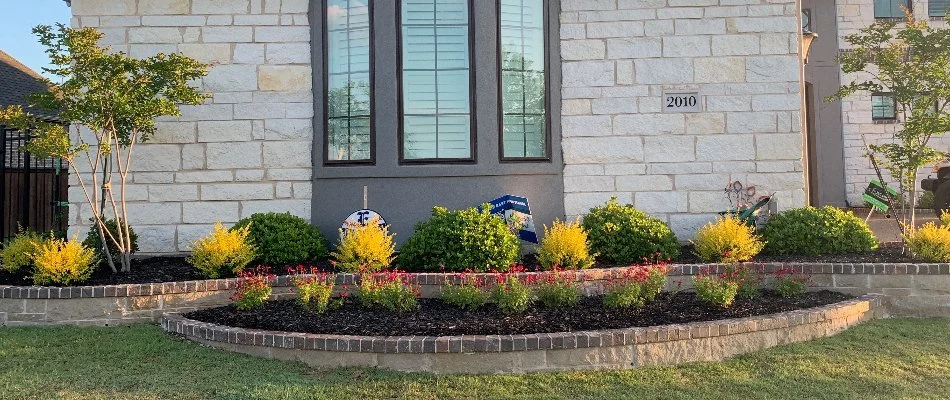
x,y
247,150
854,15
908,290
605,349
619,56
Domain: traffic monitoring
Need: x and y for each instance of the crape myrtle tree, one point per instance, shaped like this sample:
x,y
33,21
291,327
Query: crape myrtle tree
x,y
113,99
911,61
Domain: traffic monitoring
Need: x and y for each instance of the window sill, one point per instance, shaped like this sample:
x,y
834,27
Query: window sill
x,y
885,121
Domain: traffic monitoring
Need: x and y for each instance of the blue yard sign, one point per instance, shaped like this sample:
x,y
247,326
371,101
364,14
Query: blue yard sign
x,y
516,213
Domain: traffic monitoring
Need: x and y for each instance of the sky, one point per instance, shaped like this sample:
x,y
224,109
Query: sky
x,y
19,18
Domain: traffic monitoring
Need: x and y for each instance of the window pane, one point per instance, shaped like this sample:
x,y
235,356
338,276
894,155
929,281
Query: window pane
x,y
436,91
889,8
883,107
937,8
348,78
523,101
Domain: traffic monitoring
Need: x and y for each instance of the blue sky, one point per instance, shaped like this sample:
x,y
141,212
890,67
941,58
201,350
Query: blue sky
x,y
19,18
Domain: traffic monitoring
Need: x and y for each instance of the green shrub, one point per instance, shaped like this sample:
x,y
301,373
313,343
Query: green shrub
x,y
283,239
623,294
253,289
930,242
788,283
223,252
815,231
717,291
558,289
62,262
94,241
565,245
510,295
389,290
621,234
365,248
466,294
17,254
727,240
460,240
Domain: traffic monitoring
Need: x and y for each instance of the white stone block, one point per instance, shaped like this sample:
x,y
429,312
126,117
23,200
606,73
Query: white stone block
x,y
583,169
644,183
287,154
686,46
575,106
669,148
289,174
705,123
174,132
288,53
234,155
601,30
303,190
633,48
220,6
99,7
282,34
156,239
719,69
588,73
188,234
193,156
249,175
661,202
777,102
237,191
700,26
294,6
164,7
157,158
709,201
285,78
141,213
614,106
573,50
288,129
204,176
725,148
265,20
701,181
576,126
585,184
174,21
166,193
245,53
625,169
750,122
227,34
585,150
155,35
224,131
232,78
216,53
209,212
772,68
685,226
680,168
735,45
664,71
649,124
108,21
778,146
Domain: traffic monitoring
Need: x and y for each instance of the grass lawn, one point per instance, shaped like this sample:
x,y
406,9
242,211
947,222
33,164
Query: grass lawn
x,y
886,359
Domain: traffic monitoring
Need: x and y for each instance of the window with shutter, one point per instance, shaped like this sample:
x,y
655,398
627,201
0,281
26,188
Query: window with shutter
x,y
523,79
937,8
349,81
890,9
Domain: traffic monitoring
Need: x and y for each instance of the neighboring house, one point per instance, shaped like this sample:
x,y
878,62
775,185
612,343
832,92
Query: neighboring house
x,y
17,81
841,128
454,102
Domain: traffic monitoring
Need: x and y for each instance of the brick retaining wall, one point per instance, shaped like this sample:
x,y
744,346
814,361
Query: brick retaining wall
x,y
908,289
607,349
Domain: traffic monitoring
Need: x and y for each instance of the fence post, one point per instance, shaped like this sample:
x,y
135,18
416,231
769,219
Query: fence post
x,y
27,181
3,182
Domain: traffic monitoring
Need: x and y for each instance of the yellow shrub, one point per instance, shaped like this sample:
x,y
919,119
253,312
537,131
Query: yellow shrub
x,y
18,252
565,245
60,262
727,240
365,248
223,251
945,218
929,242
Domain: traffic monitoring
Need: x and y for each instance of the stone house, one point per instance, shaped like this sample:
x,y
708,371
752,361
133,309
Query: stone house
x,y
659,103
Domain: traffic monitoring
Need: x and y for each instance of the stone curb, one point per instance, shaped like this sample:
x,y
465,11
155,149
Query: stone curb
x,y
176,323
427,278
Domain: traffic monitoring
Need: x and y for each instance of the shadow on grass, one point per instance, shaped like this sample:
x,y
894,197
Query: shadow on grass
x,y
887,359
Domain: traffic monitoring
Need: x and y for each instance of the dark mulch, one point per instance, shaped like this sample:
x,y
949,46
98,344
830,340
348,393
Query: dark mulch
x,y
435,318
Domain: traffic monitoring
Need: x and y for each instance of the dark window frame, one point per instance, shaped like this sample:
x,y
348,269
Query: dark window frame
x,y
937,17
326,91
893,117
473,124
547,92
908,3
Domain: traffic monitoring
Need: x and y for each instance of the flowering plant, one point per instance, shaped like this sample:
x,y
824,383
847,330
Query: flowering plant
x,y
314,289
466,292
391,290
719,290
510,294
558,288
789,283
253,288
748,277
636,285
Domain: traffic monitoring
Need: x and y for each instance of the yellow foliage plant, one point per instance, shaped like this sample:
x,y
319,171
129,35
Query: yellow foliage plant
x,y
18,252
727,240
365,248
945,218
930,242
565,245
62,262
223,251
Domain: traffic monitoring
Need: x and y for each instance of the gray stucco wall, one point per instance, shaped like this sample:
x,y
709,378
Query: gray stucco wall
x,y
405,194
826,143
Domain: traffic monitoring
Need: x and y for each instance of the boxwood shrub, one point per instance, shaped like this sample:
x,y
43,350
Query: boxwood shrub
x,y
460,240
621,234
283,239
815,231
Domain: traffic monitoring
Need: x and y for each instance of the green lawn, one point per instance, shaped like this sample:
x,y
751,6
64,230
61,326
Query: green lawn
x,y
887,359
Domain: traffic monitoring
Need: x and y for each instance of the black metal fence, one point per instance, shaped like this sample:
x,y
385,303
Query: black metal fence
x,y
33,192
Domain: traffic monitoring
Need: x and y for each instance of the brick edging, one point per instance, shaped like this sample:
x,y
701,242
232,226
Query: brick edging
x,y
176,323
431,278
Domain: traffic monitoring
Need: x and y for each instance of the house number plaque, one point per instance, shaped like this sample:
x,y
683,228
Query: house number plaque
x,y
674,102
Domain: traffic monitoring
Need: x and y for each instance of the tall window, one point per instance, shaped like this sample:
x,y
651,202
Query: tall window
x,y
937,8
349,84
883,107
886,9
523,94
436,81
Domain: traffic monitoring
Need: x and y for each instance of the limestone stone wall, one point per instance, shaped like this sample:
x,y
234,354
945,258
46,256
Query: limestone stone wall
x,y
742,57
854,15
247,150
